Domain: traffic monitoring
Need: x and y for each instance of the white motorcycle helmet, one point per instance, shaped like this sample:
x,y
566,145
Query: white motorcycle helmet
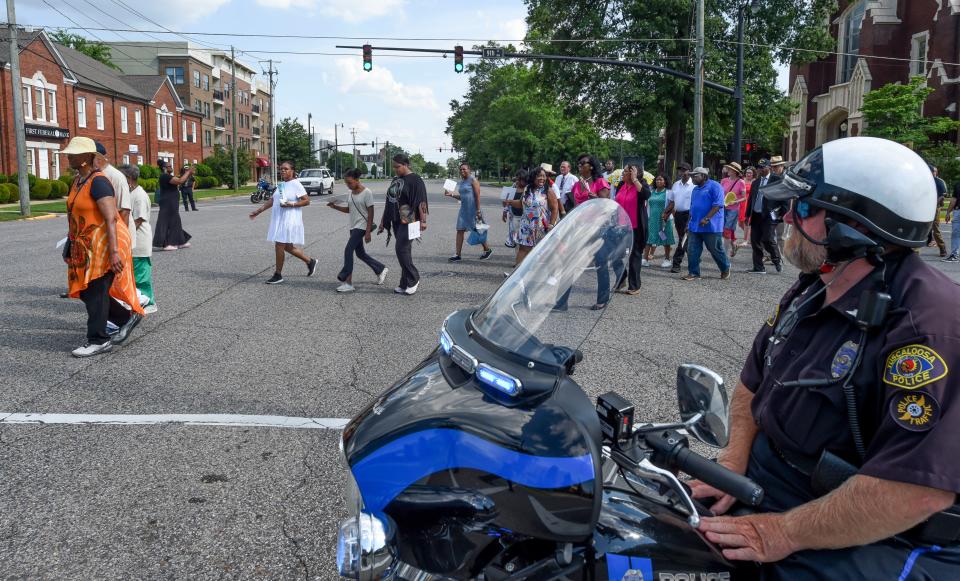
x,y
879,183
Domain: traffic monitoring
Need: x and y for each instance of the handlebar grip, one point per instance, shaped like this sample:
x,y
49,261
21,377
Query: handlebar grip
x,y
719,476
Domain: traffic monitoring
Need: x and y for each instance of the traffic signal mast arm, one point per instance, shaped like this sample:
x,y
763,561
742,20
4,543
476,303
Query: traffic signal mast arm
x,y
552,57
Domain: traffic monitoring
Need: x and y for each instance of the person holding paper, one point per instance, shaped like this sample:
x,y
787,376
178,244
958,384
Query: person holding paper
x,y
735,194
468,192
286,223
405,214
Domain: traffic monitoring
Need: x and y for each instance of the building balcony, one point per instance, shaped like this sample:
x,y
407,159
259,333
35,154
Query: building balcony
x,y
256,110
219,123
256,132
217,96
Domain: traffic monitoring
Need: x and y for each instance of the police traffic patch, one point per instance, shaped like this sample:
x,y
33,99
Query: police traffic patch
x,y
843,359
917,412
914,366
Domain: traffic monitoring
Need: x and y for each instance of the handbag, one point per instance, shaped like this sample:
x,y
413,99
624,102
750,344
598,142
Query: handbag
x,y
479,233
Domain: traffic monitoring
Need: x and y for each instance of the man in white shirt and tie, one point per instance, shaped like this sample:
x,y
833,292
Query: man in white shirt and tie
x,y
562,187
678,204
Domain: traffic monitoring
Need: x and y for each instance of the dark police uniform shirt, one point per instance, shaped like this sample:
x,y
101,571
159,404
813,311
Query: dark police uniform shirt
x,y
907,388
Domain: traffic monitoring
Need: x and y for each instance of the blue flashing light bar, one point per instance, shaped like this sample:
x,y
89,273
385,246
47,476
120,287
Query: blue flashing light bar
x,y
446,343
499,380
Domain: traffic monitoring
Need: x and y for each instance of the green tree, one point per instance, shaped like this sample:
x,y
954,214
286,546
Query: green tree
x,y
293,143
416,163
642,102
93,49
221,164
452,165
508,120
895,112
432,169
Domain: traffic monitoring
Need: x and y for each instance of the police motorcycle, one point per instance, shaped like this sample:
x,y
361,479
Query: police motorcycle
x,y
488,461
263,192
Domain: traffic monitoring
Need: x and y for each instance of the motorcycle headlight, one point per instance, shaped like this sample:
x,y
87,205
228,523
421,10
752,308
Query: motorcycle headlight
x,y
365,547
365,542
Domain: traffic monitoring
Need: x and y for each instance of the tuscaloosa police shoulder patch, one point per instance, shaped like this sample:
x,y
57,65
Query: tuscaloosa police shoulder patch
x,y
917,411
914,366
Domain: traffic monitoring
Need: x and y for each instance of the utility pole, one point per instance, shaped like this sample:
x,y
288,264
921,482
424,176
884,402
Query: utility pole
x,y
233,114
336,152
310,135
698,91
353,150
738,92
273,128
18,128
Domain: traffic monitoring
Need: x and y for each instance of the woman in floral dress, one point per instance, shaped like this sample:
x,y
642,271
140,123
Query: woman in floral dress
x,y
540,213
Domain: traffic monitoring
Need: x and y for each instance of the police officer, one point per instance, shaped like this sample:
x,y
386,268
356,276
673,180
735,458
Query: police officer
x,y
846,411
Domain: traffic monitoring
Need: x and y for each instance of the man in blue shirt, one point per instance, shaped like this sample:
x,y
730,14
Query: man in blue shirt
x,y
706,225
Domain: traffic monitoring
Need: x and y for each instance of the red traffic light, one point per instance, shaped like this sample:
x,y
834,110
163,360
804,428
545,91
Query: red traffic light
x,y
748,147
458,59
367,58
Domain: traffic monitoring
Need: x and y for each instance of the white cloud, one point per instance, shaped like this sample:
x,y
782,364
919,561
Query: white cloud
x,y
285,4
359,10
514,29
380,83
174,12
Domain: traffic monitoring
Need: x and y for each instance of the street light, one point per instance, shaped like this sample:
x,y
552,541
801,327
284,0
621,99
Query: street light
x,y
755,9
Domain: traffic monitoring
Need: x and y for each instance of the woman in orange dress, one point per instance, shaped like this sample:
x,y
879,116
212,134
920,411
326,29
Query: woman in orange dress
x,y
98,257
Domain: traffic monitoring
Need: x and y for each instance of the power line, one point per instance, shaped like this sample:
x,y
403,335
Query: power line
x,y
452,39
82,28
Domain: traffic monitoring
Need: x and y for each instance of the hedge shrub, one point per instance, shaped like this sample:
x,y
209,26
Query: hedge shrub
x,y
40,190
148,172
3,179
13,191
4,194
148,184
60,189
203,170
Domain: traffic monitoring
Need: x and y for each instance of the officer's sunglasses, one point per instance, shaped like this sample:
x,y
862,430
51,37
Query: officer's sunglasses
x,y
803,209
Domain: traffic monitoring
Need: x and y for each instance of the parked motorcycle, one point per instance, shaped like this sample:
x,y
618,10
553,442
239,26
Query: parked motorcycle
x,y
264,192
489,462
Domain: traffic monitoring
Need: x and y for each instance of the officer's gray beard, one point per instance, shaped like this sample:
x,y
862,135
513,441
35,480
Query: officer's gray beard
x,y
803,254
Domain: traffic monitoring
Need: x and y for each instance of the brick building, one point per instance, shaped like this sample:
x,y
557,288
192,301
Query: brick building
x,y
66,93
203,79
906,38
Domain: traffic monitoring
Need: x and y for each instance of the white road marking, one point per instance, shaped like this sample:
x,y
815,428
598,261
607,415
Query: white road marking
x,y
222,420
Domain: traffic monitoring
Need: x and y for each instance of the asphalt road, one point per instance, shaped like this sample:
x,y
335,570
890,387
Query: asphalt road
x,y
185,501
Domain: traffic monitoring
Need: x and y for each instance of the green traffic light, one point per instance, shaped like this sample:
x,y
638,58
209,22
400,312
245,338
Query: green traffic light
x,y
458,67
368,67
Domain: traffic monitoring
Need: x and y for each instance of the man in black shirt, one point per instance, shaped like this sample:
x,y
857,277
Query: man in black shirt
x,y
406,203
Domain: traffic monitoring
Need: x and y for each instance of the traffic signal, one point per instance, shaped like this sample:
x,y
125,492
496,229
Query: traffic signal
x,y
367,58
749,149
458,58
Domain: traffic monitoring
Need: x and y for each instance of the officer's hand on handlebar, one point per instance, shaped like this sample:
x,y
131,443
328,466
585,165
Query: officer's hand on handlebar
x,y
701,490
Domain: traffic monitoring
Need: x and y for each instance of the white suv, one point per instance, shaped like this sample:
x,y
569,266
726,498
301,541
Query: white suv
x,y
316,181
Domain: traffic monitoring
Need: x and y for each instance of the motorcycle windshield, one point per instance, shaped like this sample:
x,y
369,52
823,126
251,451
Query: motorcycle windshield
x,y
559,292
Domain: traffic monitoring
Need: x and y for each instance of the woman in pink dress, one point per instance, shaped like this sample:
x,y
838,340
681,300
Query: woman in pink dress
x,y
732,184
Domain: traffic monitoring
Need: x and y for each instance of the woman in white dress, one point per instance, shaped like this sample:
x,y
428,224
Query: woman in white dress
x,y
286,223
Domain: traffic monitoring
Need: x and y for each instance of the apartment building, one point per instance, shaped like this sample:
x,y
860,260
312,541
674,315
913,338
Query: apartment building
x,y
225,92
66,93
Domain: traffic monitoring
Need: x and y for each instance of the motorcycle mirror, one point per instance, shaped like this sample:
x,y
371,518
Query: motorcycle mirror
x,y
703,404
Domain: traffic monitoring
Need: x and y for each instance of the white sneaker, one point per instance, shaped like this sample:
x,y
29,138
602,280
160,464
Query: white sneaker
x,y
150,309
112,328
382,276
400,290
666,264
345,288
645,262
91,349
413,289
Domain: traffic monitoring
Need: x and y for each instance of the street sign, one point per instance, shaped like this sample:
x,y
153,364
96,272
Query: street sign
x,y
492,52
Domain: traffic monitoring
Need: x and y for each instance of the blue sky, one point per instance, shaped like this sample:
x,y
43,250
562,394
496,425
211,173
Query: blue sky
x,y
405,100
